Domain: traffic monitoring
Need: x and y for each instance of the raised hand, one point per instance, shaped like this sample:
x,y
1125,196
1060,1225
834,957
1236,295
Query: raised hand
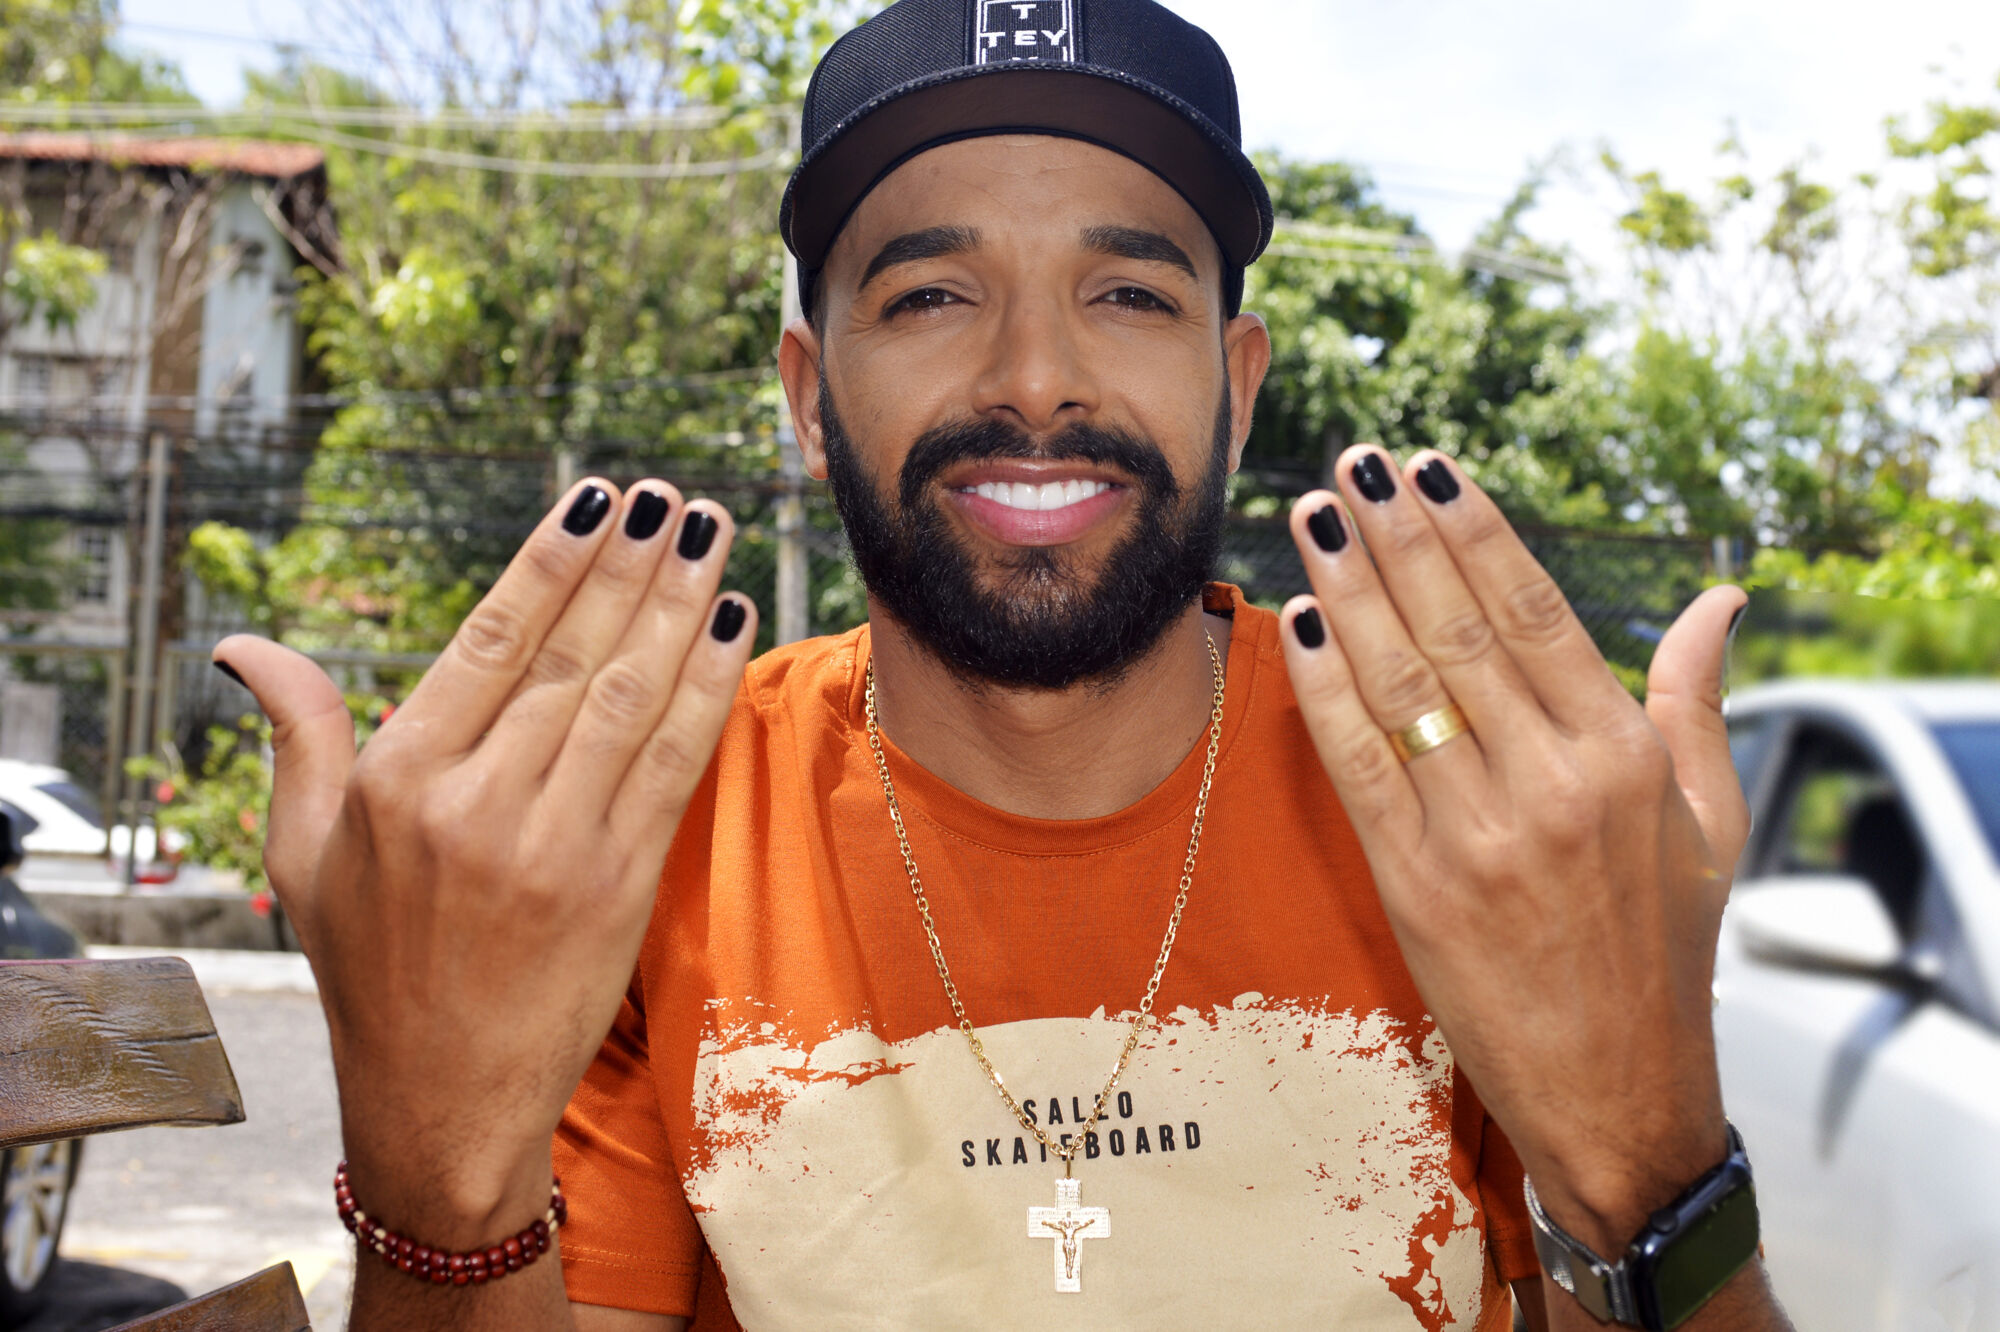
x,y
1556,876
473,889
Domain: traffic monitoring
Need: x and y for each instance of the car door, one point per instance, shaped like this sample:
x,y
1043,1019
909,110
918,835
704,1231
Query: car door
x,y
1807,1054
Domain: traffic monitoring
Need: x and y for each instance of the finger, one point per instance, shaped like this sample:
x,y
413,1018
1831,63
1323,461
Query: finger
x,y
312,746
1445,621
628,695
532,724
663,775
1373,785
1395,681
1684,700
458,698
1556,657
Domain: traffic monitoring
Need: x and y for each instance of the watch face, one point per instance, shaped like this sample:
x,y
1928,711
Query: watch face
x,y
1704,1255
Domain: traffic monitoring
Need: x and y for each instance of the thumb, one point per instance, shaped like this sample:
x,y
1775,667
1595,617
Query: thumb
x,y
1684,700
312,741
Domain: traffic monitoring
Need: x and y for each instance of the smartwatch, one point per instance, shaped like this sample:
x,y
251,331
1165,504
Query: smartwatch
x,y
1686,1251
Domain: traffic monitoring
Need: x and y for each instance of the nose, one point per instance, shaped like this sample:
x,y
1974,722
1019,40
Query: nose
x,y
1033,372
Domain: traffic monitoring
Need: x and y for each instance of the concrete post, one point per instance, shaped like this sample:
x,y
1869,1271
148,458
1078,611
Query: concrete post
x,y
793,590
139,740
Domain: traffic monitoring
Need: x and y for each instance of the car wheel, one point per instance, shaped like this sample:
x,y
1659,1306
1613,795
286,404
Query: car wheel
x,y
35,1184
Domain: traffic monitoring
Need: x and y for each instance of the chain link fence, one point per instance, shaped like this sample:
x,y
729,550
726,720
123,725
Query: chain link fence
x,y
114,641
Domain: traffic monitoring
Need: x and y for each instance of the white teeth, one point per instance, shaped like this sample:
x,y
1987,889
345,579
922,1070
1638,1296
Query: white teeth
x,y
1053,495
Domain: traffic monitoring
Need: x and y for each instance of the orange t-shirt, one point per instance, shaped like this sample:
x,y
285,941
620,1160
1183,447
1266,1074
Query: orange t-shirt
x,y
785,1129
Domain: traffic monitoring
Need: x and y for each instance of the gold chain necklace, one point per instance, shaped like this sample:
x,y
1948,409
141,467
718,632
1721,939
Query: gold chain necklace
x,y
1066,1222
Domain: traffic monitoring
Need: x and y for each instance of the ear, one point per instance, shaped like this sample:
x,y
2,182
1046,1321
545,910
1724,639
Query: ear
x,y
1246,353
799,368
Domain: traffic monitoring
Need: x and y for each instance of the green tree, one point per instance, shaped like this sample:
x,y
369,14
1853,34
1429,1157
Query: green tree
x,y
1378,337
515,283
56,51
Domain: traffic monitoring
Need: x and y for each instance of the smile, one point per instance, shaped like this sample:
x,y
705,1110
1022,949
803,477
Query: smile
x,y
1038,498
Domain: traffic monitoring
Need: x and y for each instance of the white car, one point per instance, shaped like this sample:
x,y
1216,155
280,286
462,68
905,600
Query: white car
x,y
1858,989
65,815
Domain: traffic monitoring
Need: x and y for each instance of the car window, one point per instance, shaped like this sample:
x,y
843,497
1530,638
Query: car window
x,y
1973,749
1841,814
1749,745
75,799
24,822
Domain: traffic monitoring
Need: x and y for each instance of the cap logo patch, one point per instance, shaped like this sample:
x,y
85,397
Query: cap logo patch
x,y
1022,30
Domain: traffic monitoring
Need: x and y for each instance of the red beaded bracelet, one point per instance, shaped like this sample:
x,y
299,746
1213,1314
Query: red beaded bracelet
x,y
441,1267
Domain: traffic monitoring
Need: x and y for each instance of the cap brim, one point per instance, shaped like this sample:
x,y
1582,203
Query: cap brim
x,y
1114,110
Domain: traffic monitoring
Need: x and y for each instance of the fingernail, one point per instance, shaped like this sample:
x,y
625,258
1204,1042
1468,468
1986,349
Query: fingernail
x,y
697,535
1736,620
230,671
1306,625
586,511
649,510
1373,478
1437,482
729,616
1328,532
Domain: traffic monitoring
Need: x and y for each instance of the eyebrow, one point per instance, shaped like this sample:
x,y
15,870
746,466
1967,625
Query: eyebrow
x,y
913,246
1132,243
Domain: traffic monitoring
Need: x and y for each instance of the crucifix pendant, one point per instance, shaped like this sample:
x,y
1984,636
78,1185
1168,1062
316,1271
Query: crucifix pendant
x,y
1068,1225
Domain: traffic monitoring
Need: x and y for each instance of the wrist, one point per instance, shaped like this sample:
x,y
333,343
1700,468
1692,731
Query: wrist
x,y
1604,1198
453,1201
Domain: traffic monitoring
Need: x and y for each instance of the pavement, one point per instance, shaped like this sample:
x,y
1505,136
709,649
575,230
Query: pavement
x,y
160,1214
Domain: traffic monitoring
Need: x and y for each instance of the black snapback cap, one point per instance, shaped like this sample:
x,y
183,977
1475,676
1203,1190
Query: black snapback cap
x,y
1127,75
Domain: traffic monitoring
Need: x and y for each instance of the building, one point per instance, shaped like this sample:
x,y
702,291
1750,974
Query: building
x,y
193,335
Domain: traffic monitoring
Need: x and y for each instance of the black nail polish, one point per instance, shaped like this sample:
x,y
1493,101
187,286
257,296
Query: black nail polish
x,y
649,510
697,535
729,618
1736,620
1307,627
1328,532
1373,478
1437,482
586,511
230,671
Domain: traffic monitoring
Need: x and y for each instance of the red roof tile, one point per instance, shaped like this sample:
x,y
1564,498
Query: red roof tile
x,y
249,157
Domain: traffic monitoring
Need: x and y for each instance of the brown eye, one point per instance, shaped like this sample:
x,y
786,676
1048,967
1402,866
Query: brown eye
x,y
922,299
1136,298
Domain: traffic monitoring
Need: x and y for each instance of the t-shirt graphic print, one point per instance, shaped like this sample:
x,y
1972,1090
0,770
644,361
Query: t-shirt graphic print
x,y
786,1129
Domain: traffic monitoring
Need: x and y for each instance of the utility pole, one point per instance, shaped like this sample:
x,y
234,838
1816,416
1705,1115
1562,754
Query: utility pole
x,y
139,739
793,591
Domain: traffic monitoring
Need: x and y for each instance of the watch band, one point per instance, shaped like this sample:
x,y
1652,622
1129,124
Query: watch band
x,y
1684,1253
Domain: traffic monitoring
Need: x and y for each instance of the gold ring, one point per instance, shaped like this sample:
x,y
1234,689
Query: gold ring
x,y
1428,732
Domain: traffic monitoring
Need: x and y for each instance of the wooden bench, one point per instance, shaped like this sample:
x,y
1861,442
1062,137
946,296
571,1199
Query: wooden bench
x,y
91,1046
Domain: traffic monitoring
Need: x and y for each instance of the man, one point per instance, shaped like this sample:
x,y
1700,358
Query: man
x,y
1075,941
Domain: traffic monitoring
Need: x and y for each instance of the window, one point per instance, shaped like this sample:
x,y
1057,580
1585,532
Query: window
x,y
24,822
1974,751
1841,814
34,383
75,799
1749,745
107,392
93,556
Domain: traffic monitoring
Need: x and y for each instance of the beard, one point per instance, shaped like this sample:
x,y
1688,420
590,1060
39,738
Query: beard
x,y
1041,621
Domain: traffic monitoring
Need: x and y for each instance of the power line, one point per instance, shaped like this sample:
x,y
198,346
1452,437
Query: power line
x,y
574,120
769,159
282,44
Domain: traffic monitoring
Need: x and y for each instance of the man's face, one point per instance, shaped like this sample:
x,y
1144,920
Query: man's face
x,y
1024,403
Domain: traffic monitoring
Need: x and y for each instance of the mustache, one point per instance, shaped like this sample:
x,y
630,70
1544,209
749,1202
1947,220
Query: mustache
x,y
987,440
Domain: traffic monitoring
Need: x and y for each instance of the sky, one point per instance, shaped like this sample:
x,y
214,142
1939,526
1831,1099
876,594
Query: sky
x,y
1449,102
